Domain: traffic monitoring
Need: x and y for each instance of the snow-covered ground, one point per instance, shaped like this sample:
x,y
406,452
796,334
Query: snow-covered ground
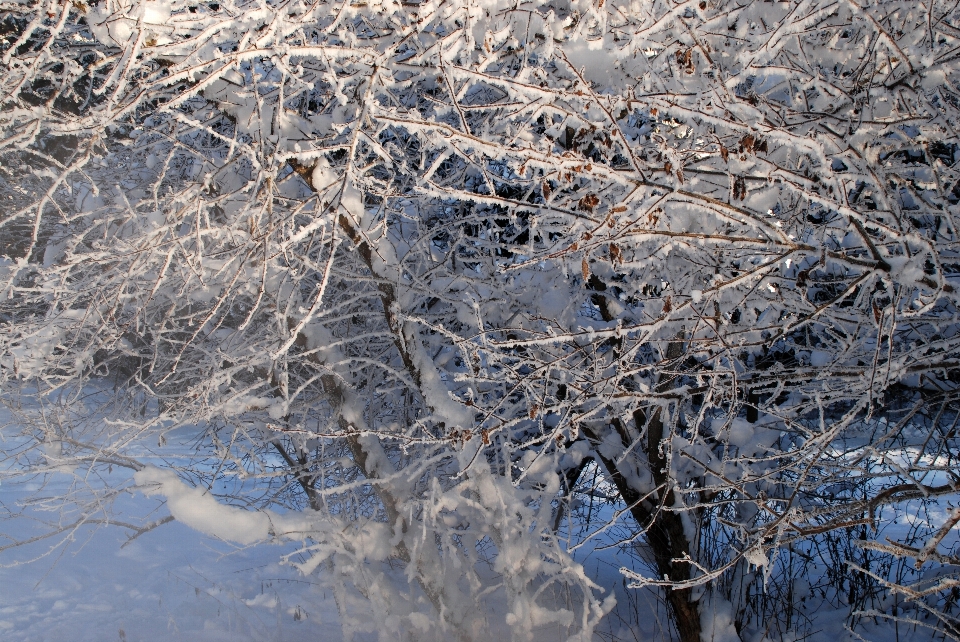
x,y
177,583
171,583
174,583
97,583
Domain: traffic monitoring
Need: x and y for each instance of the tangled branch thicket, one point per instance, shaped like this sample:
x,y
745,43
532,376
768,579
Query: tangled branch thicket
x,y
412,268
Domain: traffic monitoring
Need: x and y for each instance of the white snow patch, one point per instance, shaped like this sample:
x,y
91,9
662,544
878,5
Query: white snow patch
x,y
199,510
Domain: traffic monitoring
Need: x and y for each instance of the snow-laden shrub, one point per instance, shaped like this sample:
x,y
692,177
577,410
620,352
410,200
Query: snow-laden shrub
x,y
416,266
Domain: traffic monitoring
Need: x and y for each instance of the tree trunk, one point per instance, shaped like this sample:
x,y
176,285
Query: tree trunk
x,y
668,542
664,528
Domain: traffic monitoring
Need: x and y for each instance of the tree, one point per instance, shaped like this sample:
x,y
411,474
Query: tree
x,y
416,267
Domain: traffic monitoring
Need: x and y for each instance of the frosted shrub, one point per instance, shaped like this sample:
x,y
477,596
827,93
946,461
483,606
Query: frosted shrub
x,y
410,269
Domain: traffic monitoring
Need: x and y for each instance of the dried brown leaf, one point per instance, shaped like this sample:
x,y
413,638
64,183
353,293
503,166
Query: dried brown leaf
x,y
589,202
739,188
